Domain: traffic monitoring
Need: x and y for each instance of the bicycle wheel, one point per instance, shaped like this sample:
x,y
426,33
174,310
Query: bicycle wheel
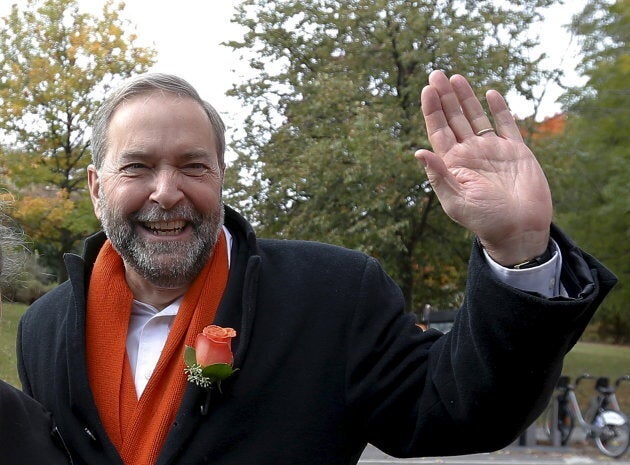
x,y
547,418
613,438
565,426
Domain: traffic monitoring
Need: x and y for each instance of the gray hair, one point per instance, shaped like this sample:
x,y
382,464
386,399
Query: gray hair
x,y
142,85
11,239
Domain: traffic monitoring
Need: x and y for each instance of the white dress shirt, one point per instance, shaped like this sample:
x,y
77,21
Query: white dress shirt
x,y
149,327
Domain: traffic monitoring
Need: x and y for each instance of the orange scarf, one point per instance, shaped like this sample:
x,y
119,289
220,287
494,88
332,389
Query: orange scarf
x,y
138,427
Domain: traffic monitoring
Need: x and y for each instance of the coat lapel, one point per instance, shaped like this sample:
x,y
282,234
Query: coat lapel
x,y
236,310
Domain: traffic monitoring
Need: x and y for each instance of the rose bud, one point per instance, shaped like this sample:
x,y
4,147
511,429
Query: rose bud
x,y
214,345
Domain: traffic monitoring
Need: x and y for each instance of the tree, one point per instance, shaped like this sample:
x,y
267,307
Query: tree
x,y
335,119
592,195
56,64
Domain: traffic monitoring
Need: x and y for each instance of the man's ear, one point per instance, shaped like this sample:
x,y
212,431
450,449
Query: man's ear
x,y
94,185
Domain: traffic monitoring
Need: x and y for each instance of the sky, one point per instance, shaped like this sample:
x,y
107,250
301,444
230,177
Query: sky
x,y
187,35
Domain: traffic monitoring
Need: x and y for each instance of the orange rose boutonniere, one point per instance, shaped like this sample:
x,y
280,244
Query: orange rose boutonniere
x,y
210,360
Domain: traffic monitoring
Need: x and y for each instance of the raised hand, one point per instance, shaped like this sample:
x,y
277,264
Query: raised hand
x,y
487,180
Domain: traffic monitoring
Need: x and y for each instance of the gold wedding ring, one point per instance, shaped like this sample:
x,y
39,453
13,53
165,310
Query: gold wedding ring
x,y
481,132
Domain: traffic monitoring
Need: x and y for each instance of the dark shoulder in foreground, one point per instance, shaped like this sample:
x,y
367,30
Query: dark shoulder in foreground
x,y
28,434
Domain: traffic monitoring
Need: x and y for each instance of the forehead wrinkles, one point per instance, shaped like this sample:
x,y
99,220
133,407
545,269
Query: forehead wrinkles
x,y
164,98
134,130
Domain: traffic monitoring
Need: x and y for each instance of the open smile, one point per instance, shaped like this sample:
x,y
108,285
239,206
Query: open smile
x,y
165,228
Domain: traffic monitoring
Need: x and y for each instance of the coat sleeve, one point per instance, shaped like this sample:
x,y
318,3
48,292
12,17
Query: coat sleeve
x,y
28,432
477,387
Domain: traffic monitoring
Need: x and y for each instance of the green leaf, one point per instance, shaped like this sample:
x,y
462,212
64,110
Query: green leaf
x,y
218,371
190,356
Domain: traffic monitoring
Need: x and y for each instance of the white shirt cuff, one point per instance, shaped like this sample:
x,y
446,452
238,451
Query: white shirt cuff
x,y
543,279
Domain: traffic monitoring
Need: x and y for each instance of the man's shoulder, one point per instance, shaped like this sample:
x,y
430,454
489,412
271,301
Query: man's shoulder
x,y
51,304
322,250
314,259
53,295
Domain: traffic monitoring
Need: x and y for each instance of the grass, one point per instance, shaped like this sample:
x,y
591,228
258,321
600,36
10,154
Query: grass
x,y
8,329
595,359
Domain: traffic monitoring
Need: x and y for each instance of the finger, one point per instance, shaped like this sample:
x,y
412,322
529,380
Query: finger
x,y
451,106
506,125
470,104
440,134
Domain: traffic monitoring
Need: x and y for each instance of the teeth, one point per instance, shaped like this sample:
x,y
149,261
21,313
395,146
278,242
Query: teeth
x,y
165,228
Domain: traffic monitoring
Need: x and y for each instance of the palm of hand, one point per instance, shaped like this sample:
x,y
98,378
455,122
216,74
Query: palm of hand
x,y
494,185
490,183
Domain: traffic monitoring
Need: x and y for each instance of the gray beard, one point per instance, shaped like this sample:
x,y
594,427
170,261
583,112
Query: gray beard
x,y
166,264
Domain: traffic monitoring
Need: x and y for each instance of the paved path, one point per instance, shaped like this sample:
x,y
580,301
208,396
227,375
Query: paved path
x,y
580,454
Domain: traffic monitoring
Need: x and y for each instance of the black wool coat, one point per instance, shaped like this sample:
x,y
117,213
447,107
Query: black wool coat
x,y
28,435
328,360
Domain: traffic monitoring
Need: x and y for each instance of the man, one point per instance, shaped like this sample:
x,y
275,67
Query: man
x,y
327,359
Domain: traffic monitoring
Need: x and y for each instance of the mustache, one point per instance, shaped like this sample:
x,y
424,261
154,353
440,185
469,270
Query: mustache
x,y
156,213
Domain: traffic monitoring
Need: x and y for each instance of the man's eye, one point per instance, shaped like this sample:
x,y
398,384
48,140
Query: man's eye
x,y
195,169
133,168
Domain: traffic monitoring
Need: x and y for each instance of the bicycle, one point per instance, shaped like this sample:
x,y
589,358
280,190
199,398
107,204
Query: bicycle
x,y
609,429
606,396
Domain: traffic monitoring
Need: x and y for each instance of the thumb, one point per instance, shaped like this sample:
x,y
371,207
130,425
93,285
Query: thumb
x,y
442,181
436,170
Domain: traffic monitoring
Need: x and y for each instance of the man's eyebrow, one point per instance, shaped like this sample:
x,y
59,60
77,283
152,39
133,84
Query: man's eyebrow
x,y
196,153
133,154
190,154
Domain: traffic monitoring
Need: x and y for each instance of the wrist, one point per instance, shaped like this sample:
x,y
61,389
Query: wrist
x,y
524,252
535,261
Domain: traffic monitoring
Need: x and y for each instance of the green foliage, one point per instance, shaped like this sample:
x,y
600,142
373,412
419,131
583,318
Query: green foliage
x,y
56,64
614,324
592,195
328,148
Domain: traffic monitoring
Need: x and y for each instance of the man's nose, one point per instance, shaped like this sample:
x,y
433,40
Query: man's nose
x,y
166,190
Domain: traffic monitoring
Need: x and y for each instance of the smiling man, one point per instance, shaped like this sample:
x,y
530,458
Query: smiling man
x,y
157,192
325,357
